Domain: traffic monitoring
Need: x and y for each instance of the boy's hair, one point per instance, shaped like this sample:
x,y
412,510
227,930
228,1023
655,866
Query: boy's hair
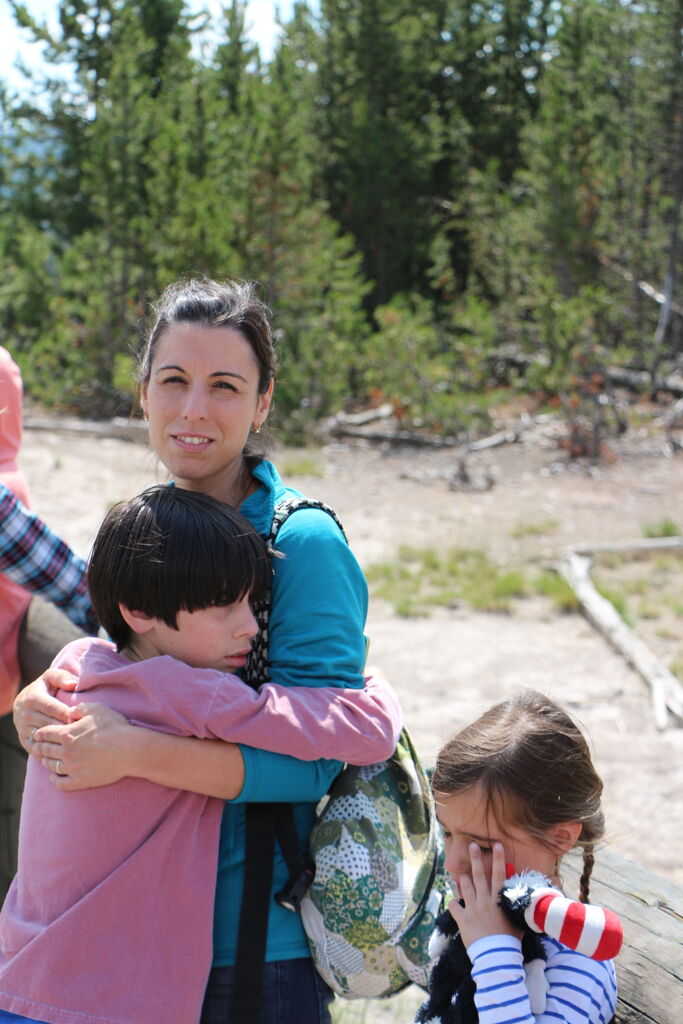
x,y
535,766
168,550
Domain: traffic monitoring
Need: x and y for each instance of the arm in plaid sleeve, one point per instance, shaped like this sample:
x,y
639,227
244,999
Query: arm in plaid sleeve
x,y
33,556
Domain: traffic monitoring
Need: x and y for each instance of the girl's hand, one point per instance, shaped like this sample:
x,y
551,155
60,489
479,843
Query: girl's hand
x,y
481,914
92,751
35,705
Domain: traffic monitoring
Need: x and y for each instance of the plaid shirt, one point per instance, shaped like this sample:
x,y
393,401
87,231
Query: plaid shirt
x,y
33,556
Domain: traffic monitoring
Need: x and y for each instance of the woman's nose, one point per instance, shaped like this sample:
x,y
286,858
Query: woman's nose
x,y
194,407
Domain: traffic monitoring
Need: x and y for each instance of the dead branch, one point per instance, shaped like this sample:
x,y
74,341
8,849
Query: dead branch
x,y
666,690
637,546
641,380
120,428
494,440
395,438
647,289
359,419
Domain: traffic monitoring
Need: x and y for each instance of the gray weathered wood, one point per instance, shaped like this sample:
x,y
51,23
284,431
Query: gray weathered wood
x,y
650,964
121,428
667,692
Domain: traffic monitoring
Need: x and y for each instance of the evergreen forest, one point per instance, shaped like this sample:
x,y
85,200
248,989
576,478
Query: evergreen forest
x,y
443,201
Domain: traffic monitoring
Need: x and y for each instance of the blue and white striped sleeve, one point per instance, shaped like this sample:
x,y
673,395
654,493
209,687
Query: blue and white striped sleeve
x,y
578,990
36,558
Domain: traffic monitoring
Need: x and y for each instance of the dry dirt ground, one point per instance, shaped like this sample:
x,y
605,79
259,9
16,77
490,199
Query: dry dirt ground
x,y
450,666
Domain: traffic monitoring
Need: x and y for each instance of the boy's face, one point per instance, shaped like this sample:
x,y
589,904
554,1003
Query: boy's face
x,y
217,637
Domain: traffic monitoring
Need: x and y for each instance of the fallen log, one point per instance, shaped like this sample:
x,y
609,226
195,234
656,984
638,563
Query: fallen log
x,y
650,964
395,438
494,440
641,380
120,428
666,690
647,546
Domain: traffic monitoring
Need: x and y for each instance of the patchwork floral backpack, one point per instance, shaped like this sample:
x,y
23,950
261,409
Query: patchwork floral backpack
x,y
374,881
379,880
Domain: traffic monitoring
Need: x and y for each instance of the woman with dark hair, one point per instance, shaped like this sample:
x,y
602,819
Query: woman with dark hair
x,y
207,379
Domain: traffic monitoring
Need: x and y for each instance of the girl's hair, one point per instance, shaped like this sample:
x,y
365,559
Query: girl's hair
x,y
209,303
535,767
168,550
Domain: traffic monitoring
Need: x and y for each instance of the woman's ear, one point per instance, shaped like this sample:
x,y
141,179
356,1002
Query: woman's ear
x,y
564,835
264,400
143,399
139,622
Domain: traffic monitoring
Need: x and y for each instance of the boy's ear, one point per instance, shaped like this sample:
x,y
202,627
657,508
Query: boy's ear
x,y
565,834
139,622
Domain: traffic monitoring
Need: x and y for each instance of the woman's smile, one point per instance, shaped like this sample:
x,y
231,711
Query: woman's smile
x,y
201,401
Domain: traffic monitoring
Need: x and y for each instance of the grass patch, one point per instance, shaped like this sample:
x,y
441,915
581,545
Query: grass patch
x,y
304,464
617,598
676,668
555,587
423,578
663,528
535,529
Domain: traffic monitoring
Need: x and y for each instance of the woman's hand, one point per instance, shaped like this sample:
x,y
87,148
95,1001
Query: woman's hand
x,y
94,750
482,914
36,705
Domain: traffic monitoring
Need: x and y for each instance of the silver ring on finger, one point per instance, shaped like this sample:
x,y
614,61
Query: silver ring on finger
x,y
32,734
59,769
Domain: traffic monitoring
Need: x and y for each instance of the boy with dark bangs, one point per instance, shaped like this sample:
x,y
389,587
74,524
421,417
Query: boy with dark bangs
x,y
110,915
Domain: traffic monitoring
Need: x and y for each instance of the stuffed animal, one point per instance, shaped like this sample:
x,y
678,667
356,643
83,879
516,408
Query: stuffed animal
x,y
536,908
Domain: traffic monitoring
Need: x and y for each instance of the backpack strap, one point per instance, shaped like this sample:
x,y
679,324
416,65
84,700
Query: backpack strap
x,y
258,667
265,822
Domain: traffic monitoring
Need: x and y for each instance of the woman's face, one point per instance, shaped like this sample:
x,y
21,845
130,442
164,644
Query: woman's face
x,y
201,401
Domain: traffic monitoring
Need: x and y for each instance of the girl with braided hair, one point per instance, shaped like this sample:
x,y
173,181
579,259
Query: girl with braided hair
x,y
515,791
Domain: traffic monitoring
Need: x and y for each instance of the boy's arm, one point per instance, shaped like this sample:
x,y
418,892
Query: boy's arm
x,y
358,726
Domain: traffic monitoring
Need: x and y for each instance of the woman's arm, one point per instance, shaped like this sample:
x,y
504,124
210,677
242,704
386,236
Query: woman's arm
x,y
102,747
97,746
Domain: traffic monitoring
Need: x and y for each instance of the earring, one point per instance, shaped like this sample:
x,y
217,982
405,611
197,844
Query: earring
x,y
255,428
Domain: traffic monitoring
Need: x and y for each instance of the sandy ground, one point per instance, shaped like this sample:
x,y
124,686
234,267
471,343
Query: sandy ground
x,y
449,667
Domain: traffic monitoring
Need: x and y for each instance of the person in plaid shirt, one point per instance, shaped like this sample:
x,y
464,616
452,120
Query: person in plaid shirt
x,y
34,557
43,604
37,559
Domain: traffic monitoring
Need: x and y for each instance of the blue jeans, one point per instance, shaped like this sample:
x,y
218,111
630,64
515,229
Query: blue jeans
x,y
12,1018
293,993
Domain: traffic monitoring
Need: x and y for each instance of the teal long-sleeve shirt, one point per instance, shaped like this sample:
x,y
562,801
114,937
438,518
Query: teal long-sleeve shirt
x,y
316,638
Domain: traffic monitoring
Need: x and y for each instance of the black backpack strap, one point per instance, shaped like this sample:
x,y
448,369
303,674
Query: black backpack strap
x,y
265,822
258,667
259,853
301,868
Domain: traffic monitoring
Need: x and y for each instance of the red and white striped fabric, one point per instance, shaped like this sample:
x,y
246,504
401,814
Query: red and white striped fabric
x,y
591,930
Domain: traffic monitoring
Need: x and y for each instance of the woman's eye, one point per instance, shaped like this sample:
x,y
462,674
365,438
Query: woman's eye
x,y
173,380
224,385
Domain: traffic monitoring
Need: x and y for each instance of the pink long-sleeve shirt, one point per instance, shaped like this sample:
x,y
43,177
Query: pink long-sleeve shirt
x,y
109,920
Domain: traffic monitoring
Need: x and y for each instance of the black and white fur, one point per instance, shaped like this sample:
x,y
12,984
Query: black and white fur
x,y
451,988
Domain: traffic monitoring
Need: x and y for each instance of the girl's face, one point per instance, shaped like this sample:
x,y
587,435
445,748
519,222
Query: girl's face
x,y
466,819
201,401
